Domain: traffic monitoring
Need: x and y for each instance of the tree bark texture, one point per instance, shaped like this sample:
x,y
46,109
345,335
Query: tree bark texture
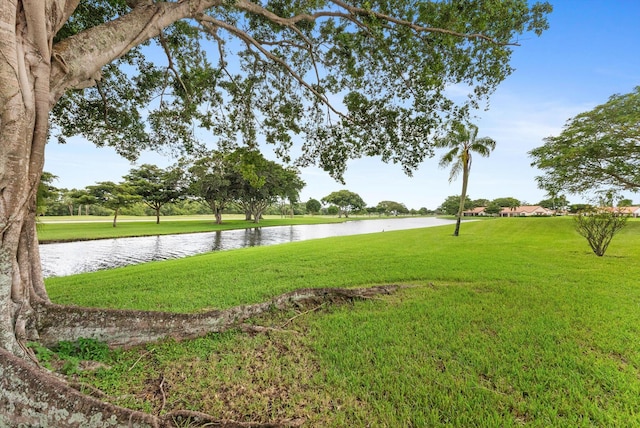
x,y
35,398
24,114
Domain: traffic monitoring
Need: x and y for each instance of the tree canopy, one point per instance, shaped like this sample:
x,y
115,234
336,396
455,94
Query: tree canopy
x,y
213,179
598,150
243,177
348,79
156,186
313,206
262,182
391,208
346,201
492,208
557,202
507,202
451,204
113,196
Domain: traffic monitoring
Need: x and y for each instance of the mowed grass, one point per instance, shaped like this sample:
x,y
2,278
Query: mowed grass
x,y
82,228
515,322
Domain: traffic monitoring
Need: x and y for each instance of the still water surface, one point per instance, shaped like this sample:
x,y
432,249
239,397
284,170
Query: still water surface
x,y
87,256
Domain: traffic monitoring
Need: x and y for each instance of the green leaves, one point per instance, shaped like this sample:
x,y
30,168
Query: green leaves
x,y
90,14
244,177
598,150
343,80
462,142
112,195
345,200
155,186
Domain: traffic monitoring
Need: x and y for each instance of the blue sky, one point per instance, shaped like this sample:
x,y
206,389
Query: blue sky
x,y
590,52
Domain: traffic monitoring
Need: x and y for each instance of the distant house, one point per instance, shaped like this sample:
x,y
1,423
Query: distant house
x,y
477,211
631,211
526,211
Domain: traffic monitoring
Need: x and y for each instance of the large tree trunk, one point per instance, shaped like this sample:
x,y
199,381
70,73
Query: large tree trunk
x,y
30,84
217,210
24,114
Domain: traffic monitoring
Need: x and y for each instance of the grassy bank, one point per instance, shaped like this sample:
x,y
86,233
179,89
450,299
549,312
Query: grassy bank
x,y
514,322
78,228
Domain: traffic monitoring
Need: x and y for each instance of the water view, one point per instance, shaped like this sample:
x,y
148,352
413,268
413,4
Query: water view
x,y
87,256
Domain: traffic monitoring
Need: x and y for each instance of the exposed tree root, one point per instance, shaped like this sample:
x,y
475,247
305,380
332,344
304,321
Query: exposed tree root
x,y
31,396
129,328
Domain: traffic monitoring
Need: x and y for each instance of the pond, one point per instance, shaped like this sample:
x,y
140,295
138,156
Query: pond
x,y
87,256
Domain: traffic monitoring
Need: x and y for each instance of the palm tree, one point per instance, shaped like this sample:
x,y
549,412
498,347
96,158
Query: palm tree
x,y
461,141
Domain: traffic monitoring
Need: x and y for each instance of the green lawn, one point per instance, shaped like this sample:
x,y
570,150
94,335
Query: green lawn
x,y
515,322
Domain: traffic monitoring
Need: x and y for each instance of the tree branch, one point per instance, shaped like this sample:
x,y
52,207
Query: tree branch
x,y
212,24
357,11
417,28
619,178
59,12
79,58
170,66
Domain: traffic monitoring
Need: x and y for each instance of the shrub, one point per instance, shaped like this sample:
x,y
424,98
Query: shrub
x,y
599,225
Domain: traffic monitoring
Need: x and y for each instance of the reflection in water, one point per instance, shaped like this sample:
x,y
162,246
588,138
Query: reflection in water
x,y
252,237
217,241
86,256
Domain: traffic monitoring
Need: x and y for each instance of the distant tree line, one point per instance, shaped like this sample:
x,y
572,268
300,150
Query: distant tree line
x,y
560,202
239,181
242,181
345,203
451,204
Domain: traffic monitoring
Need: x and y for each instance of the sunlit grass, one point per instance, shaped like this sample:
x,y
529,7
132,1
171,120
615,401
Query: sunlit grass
x,y
515,322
